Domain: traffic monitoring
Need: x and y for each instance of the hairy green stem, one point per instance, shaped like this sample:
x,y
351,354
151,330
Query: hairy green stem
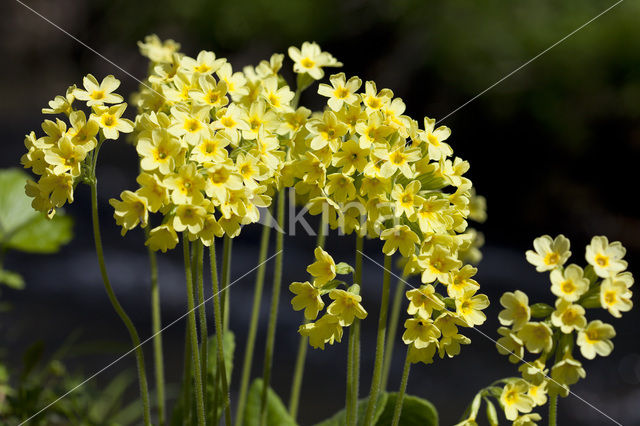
x,y
403,388
187,384
204,334
393,328
553,410
353,357
133,333
193,333
298,373
382,328
156,323
273,315
226,279
253,324
221,367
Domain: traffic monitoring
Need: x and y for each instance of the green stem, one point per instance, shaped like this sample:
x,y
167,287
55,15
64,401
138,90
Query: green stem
x,y
253,325
204,334
353,360
349,393
187,384
296,384
273,315
226,279
221,369
382,328
133,333
359,247
393,328
553,410
403,388
193,332
156,323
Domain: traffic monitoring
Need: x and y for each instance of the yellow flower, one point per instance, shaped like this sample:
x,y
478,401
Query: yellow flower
x,y
568,317
310,59
517,312
153,190
372,130
323,269
450,345
98,94
595,339
469,307
399,158
420,331
564,374
307,298
527,420
61,104
191,124
186,185
326,330
340,187
374,100
569,283
437,148
549,254
406,199
162,238
606,258
399,237
510,344
82,131
534,372
615,295
537,337
514,399
189,217
210,92
210,230
222,178
460,281
432,215
350,158
205,63
346,306
448,322
423,301
327,130
159,152
340,91
424,354
111,121
438,264
278,98
57,188
130,211
66,157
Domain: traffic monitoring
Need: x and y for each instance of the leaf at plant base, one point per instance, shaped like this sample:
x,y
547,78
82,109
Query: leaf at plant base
x,y
43,235
229,345
11,279
340,418
277,414
415,412
15,206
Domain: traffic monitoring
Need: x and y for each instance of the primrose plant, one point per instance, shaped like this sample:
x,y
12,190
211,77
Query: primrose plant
x,y
216,147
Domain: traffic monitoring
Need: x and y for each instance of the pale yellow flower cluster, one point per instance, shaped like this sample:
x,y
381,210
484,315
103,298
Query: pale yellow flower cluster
x,y
342,311
63,156
551,333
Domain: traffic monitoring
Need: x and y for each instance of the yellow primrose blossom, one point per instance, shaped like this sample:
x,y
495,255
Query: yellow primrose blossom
x,y
340,91
606,259
326,330
469,307
82,131
423,301
527,420
450,345
323,269
420,332
159,152
205,63
310,59
596,339
278,98
510,344
537,337
111,121
131,211
189,217
448,322
374,100
66,157
346,306
438,264
98,93
62,104
549,254
406,199
162,238
399,237
460,281
615,295
307,298
517,312
568,316
514,399
534,372
350,158
340,187
153,190
564,374
186,185
569,283
435,138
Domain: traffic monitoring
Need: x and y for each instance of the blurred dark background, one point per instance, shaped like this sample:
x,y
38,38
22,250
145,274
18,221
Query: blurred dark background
x,y
554,148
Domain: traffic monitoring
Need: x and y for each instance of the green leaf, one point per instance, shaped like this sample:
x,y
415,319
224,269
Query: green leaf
x,y
277,414
21,227
43,235
11,279
541,310
340,418
110,398
15,206
344,268
415,412
31,358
